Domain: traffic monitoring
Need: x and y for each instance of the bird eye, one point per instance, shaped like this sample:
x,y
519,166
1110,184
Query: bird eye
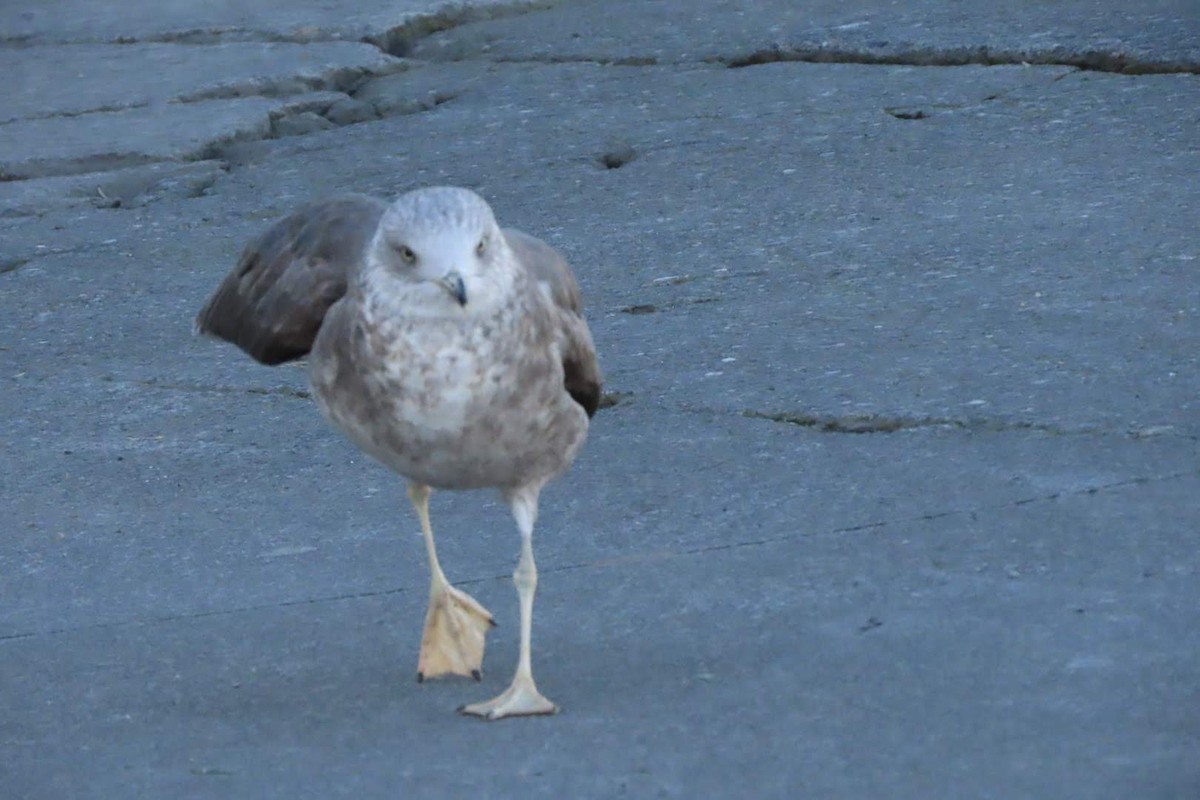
x,y
406,254
481,247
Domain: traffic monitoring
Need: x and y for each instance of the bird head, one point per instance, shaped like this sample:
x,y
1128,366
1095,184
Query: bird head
x,y
443,240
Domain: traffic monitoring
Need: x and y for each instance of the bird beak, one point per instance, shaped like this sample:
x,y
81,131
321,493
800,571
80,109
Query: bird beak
x,y
452,282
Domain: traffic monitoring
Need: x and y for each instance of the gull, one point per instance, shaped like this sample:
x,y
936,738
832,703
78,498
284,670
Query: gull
x,y
453,351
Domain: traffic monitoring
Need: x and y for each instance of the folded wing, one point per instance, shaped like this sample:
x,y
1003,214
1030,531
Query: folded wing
x,y
583,379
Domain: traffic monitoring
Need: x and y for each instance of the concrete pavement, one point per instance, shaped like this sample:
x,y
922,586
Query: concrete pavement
x,y
897,497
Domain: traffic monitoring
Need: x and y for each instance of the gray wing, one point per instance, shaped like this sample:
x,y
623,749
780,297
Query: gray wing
x,y
583,381
272,303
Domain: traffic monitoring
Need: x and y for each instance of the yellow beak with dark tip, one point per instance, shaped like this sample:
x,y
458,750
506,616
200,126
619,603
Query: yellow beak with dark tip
x,y
452,282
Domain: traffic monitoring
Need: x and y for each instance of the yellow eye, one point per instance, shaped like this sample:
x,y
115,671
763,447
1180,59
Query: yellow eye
x,y
406,253
481,247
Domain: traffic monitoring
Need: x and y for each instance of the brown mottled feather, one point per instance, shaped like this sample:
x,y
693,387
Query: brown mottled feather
x,y
579,359
271,305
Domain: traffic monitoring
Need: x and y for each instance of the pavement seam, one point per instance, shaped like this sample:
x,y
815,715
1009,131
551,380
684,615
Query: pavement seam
x,y
636,558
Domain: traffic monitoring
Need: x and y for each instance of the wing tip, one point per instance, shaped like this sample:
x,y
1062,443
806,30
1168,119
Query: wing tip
x,y
587,395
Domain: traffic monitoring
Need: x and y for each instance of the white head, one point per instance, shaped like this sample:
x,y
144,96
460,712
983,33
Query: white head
x,y
440,239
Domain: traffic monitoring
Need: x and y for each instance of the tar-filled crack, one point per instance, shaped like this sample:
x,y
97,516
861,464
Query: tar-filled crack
x,y
883,424
878,423
1091,60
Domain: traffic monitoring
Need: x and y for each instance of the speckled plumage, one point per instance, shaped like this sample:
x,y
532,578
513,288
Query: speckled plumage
x,y
455,398
454,352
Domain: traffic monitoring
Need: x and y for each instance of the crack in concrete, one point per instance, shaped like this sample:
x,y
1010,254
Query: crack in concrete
x,y
190,36
77,113
294,87
8,265
401,39
13,264
902,54
913,56
627,560
306,98
1092,61
393,41
612,399
599,61
641,309
880,423
277,391
419,26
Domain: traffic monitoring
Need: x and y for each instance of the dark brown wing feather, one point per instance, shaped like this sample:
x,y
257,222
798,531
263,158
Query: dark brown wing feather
x,y
583,383
583,380
271,305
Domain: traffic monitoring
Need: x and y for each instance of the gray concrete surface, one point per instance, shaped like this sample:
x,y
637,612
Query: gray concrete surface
x,y
898,494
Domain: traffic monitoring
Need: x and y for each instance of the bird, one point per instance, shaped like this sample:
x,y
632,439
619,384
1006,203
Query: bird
x,y
453,351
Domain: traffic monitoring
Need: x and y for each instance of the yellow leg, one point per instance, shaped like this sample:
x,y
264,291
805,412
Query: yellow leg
x,y
455,624
522,696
